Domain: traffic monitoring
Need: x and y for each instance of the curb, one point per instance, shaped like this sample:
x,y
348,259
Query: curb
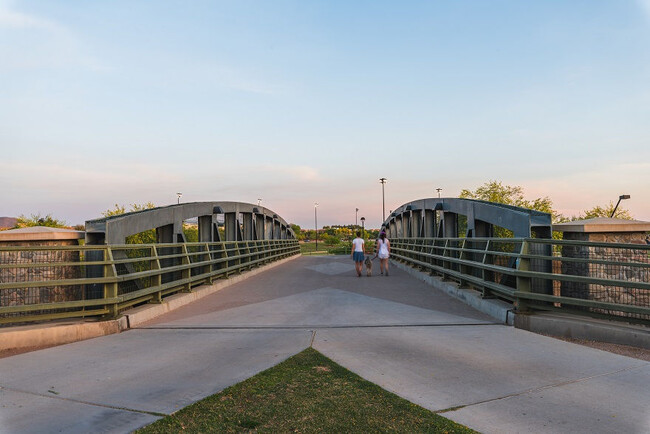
x,y
585,328
47,335
497,309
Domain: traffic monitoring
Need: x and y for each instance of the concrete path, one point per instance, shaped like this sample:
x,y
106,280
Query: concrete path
x,y
394,331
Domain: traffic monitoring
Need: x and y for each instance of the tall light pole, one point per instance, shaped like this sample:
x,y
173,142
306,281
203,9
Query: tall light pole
x,y
438,190
383,200
363,228
179,197
620,198
316,223
356,215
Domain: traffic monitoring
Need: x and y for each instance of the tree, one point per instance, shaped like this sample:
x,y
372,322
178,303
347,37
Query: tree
x,y
298,231
146,237
330,240
495,191
39,220
606,211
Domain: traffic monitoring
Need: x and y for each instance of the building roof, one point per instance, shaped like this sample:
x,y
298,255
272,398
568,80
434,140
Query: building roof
x,y
603,224
41,233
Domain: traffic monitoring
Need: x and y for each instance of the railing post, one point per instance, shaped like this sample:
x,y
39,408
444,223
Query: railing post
x,y
523,283
110,288
186,273
463,268
485,274
157,279
445,264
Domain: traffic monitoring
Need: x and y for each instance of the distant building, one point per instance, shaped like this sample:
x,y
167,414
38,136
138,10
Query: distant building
x,y
7,222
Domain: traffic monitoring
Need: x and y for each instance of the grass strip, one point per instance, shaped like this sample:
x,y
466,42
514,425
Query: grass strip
x,y
306,393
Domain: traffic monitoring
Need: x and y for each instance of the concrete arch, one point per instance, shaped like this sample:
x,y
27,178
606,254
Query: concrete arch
x,y
438,217
242,221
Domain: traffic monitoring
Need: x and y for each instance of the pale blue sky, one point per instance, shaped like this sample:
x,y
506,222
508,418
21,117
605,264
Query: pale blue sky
x,y
297,102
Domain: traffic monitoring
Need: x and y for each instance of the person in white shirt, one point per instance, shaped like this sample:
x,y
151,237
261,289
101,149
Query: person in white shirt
x,y
383,251
358,253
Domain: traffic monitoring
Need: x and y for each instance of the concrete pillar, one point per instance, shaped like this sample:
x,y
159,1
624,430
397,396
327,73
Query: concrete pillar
x,y
165,234
482,229
205,229
259,226
429,223
231,226
277,233
416,223
450,224
247,226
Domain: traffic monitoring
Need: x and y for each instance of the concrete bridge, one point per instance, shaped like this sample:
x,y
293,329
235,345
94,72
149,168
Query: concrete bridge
x,y
398,332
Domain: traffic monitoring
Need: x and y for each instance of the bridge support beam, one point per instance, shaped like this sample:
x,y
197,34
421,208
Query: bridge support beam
x,y
247,226
206,229
450,224
429,223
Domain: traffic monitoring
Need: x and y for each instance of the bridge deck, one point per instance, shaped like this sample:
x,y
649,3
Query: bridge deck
x,y
394,331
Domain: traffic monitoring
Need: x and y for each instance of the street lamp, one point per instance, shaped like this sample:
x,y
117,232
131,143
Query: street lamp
x,y
316,223
363,227
620,198
438,190
356,215
179,197
383,199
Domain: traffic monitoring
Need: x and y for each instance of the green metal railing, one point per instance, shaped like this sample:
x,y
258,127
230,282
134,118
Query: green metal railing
x,y
39,283
597,279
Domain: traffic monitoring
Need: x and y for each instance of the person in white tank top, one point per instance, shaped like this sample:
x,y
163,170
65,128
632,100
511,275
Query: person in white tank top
x,y
383,251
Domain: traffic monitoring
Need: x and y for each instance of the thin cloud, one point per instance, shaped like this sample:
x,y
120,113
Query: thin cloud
x,y
13,19
645,5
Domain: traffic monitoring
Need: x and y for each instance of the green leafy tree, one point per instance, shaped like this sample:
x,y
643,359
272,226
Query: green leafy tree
x,y
330,240
605,211
497,192
191,233
298,231
146,237
39,220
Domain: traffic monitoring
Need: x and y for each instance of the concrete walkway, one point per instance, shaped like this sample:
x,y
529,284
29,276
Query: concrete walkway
x,y
395,331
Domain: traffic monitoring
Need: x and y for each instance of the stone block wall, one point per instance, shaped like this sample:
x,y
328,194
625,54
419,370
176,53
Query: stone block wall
x,y
45,293
629,272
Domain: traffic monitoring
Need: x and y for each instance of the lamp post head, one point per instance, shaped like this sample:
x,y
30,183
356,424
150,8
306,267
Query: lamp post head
x,y
624,196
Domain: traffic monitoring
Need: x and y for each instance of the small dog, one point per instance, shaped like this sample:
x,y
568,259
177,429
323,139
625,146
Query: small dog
x,y
368,263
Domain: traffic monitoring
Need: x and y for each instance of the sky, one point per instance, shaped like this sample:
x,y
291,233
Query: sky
x,y
312,101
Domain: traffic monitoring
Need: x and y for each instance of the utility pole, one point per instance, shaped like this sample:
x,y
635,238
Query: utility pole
x,y
316,223
438,190
383,200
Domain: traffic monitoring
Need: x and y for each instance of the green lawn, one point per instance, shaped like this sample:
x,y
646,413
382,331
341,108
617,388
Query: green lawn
x,y
306,393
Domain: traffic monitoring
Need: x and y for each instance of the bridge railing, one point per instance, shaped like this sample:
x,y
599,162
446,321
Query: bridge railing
x,y
597,279
39,283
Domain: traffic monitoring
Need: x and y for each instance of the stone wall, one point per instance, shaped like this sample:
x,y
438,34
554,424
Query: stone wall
x,y
41,294
629,272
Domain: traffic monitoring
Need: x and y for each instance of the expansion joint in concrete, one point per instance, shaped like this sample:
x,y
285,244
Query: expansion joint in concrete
x,y
54,395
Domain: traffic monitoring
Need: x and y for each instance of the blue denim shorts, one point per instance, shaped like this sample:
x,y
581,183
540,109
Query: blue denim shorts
x,y
357,256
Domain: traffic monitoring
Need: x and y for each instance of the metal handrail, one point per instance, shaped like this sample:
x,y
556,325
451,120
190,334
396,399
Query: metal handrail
x,y
140,279
541,289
